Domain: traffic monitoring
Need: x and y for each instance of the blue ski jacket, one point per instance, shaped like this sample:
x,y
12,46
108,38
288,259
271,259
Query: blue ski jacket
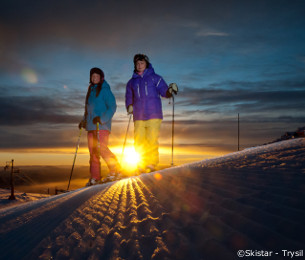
x,y
143,93
103,105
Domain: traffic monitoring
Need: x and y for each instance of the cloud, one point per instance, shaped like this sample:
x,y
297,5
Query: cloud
x,y
205,33
36,136
100,25
246,96
222,133
21,111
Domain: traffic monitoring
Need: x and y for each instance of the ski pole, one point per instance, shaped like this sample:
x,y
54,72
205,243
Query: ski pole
x,y
174,92
98,135
173,129
125,138
98,146
77,146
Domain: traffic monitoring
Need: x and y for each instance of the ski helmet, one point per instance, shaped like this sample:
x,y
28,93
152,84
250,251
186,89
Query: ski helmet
x,y
138,57
97,71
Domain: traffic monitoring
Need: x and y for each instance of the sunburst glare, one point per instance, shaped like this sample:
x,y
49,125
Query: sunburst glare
x,y
130,158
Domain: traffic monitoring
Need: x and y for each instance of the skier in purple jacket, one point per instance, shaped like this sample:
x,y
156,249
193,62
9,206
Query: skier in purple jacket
x,y
142,99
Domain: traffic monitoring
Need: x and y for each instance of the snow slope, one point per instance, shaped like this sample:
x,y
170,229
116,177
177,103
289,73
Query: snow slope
x,y
248,200
20,197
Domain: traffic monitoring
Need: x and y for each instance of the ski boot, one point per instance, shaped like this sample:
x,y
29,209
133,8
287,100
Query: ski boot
x,y
118,176
110,177
92,182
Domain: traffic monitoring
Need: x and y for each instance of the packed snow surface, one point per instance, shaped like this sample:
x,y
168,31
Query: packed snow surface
x,y
212,209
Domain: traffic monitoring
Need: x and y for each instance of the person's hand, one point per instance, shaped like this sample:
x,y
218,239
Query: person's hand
x,y
97,119
129,109
82,124
173,88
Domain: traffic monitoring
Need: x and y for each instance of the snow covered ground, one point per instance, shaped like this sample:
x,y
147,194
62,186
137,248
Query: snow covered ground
x,y
20,197
252,200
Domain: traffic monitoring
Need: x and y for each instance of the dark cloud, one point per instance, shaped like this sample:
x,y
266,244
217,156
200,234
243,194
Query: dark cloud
x,y
223,132
246,96
21,111
44,136
112,25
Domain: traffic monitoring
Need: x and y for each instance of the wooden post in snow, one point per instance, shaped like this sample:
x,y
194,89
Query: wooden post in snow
x,y
238,132
12,197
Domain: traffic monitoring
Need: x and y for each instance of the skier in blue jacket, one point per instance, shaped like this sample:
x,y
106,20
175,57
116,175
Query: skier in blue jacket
x,y
142,99
100,107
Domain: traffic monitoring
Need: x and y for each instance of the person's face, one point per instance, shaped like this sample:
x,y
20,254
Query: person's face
x,y
141,65
95,78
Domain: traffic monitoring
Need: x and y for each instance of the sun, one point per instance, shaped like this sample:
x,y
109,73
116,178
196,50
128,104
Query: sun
x,y
130,157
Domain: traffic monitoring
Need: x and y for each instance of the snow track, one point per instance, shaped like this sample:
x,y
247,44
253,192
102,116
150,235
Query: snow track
x,y
121,221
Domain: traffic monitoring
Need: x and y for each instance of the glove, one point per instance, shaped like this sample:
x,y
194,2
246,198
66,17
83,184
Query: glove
x,y
129,109
173,88
97,119
82,124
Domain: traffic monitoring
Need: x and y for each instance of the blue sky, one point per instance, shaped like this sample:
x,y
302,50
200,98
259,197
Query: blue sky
x,y
227,57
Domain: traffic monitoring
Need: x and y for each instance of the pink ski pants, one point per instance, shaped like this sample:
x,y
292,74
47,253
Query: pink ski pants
x,y
103,151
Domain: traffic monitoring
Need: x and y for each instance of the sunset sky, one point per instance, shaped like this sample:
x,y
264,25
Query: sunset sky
x,y
227,57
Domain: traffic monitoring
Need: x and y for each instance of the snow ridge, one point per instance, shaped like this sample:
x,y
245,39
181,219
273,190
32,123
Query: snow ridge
x,y
248,200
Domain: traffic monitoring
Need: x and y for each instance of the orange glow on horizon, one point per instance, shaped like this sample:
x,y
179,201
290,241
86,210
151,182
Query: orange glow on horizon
x,y
64,155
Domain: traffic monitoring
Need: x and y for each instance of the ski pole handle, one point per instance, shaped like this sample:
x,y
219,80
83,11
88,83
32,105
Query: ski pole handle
x,y
173,88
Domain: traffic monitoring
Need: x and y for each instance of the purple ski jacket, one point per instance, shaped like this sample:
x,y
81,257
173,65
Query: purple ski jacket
x,y
143,93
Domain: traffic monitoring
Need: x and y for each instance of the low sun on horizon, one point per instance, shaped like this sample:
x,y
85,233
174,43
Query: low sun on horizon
x,y
130,158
